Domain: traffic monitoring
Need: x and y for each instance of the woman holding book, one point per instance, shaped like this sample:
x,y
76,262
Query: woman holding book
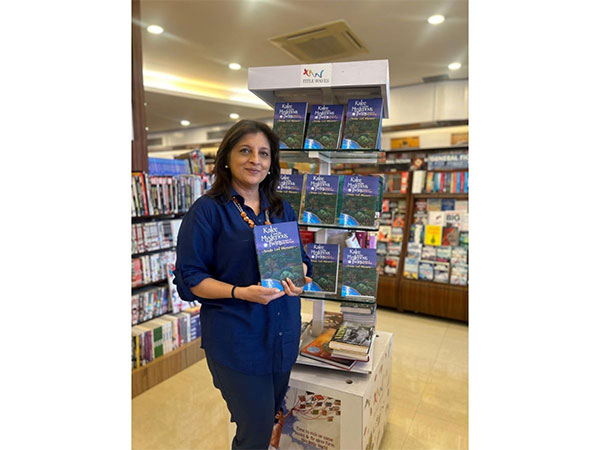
x,y
250,333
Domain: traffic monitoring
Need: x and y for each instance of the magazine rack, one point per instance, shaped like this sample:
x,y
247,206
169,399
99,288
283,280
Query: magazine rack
x,y
321,84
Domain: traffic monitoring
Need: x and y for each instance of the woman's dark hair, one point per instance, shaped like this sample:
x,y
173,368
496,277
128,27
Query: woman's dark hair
x,y
221,188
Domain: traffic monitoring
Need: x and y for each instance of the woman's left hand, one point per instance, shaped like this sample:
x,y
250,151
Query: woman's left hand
x,y
290,288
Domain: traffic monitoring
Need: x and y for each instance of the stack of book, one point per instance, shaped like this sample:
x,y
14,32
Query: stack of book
x,y
360,312
352,341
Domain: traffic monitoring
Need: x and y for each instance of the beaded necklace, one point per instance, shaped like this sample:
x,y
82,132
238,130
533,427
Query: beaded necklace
x,y
247,219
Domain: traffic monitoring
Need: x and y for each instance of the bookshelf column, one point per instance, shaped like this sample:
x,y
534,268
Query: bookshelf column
x,y
139,146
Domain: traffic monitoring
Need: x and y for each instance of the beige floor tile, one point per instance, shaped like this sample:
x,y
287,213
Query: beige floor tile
x,y
454,351
449,376
439,401
432,433
393,437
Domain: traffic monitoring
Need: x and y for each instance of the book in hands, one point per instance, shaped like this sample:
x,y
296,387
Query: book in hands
x,y
289,123
320,199
359,272
290,189
363,124
325,261
354,337
324,127
360,198
279,255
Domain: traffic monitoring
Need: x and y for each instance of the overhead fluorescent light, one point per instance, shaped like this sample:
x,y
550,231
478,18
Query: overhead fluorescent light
x,y
155,29
436,19
235,66
185,123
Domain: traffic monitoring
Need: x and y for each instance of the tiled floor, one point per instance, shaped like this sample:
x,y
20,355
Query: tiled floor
x,y
429,405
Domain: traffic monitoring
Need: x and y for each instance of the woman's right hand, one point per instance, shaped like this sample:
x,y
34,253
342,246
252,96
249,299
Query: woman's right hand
x,y
258,294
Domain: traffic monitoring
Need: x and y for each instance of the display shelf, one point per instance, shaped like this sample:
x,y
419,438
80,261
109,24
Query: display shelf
x,y
432,150
427,282
151,252
153,373
316,227
154,283
340,82
336,298
394,195
442,195
137,219
333,156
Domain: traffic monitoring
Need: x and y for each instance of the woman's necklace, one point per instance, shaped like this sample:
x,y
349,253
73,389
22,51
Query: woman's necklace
x,y
247,219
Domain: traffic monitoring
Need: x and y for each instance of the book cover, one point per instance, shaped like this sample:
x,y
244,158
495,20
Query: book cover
x,y
418,181
289,123
325,261
414,250
279,255
319,350
359,272
459,275
416,234
320,199
421,218
363,124
429,253
441,272
421,205
463,239
360,198
464,221
290,189
434,204
458,256
450,236
426,271
391,265
433,235
452,219
353,336
353,356
411,268
443,253
324,127
447,204
436,218
384,233
357,308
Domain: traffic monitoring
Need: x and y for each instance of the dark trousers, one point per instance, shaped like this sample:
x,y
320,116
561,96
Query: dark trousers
x,y
252,400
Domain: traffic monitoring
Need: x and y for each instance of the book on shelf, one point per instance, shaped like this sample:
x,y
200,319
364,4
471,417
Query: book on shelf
x,y
411,268
324,127
436,218
433,204
279,255
359,272
320,199
429,253
450,236
194,320
289,123
459,256
443,253
461,205
433,235
418,181
413,250
463,239
394,248
391,265
417,234
319,350
353,336
452,219
325,261
363,124
290,189
447,204
352,356
176,304
441,272
360,200
382,247
459,275
426,270
384,233
397,183
464,221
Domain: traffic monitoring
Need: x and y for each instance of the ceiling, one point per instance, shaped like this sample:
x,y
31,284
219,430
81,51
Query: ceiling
x,y
186,74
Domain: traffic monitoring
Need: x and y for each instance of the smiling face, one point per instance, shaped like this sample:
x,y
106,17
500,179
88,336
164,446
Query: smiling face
x,y
250,160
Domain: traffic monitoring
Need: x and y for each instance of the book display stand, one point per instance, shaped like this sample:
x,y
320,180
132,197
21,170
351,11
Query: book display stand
x,y
352,405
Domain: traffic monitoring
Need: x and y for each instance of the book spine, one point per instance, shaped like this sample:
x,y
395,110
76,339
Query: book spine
x,y
466,190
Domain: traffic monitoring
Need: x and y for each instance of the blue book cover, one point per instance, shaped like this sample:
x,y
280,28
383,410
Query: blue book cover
x,y
324,127
447,204
320,199
360,198
363,124
290,189
325,260
359,272
289,123
279,256
466,189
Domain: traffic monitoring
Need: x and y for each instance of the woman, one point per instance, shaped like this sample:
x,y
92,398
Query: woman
x,y
250,333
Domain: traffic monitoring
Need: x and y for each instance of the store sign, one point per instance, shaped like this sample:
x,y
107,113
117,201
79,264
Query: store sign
x,y
448,161
316,74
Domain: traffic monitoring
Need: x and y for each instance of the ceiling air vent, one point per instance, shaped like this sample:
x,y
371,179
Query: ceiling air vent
x,y
154,141
326,42
215,135
435,78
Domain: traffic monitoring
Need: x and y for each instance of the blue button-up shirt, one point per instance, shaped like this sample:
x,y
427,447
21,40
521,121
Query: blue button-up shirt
x,y
214,241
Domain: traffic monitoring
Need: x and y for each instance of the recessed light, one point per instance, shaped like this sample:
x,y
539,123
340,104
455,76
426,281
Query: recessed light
x,y
436,19
155,29
454,66
147,128
185,123
235,66
234,116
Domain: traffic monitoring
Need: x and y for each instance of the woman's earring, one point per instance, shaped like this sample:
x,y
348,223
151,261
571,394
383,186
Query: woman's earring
x,y
269,172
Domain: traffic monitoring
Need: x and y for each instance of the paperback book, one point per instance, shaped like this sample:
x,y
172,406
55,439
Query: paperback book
x,y
433,235
436,218
463,239
414,250
289,122
452,219
352,336
426,271
290,189
443,253
441,272
359,272
429,253
411,268
450,236
459,275
325,261
279,255
324,127
357,308
319,350
320,199
459,256
360,196
363,124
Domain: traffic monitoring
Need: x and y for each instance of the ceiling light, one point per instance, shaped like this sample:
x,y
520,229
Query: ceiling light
x,y
235,66
436,20
147,128
234,116
185,123
155,29
454,66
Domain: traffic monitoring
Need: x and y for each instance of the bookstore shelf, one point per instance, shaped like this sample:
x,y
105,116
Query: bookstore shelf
x,y
154,283
442,195
151,252
394,195
339,227
157,217
428,150
334,156
436,284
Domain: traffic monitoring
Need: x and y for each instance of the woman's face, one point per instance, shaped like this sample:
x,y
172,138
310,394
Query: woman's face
x,y
250,160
